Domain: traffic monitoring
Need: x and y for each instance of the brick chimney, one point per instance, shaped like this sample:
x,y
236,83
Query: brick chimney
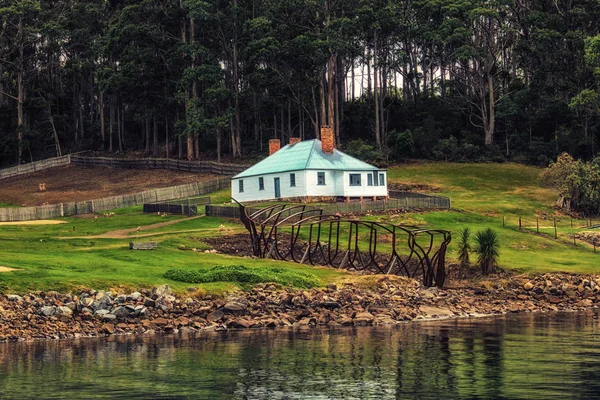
x,y
294,140
327,139
274,146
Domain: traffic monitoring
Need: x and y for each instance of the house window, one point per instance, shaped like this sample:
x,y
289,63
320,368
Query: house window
x,y
261,183
292,180
381,179
369,180
241,185
354,179
375,178
321,178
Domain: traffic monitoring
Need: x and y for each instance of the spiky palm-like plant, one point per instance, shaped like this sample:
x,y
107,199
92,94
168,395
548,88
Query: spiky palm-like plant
x,y
464,247
487,245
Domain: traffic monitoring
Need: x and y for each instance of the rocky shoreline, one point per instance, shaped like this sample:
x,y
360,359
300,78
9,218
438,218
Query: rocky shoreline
x,y
368,301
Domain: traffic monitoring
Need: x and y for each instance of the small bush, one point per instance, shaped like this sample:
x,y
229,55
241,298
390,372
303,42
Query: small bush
x,y
486,247
244,275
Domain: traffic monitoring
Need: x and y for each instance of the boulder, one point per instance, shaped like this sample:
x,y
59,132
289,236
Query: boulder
x,y
363,318
134,296
14,297
48,311
108,328
160,321
215,316
120,312
108,317
161,291
528,286
235,308
64,311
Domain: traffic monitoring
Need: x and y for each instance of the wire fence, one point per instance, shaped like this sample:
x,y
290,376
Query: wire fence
x,y
564,229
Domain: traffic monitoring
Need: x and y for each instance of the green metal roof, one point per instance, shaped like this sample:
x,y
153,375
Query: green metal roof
x,y
305,155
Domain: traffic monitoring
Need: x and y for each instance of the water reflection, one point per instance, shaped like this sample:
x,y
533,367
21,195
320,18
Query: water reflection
x,y
529,356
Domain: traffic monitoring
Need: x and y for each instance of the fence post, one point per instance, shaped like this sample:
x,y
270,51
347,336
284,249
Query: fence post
x,y
537,224
519,223
503,224
555,231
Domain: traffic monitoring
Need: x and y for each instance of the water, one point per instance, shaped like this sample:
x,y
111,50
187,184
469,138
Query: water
x,y
540,356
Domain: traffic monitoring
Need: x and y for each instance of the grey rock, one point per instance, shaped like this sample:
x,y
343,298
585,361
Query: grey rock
x,y
134,296
121,299
100,313
161,291
14,297
120,312
64,311
48,311
108,317
148,302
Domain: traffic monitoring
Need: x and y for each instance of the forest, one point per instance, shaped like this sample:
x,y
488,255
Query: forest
x,y
455,80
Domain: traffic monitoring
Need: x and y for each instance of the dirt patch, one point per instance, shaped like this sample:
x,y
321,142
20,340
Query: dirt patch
x,y
235,245
124,233
592,238
67,184
38,222
6,269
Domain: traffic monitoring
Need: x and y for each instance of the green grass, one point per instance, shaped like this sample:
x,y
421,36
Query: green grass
x,y
482,194
54,257
8,205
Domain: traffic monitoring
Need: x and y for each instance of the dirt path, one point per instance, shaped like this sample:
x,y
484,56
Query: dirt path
x,y
124,233
37,222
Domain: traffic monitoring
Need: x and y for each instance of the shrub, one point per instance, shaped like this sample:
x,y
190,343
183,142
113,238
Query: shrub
x,y
486,247
244,275
464,247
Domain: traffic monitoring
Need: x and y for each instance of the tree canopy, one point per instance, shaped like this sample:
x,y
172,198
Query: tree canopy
x,y
454,80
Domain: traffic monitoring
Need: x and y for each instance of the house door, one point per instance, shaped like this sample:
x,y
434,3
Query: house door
x,y
277,188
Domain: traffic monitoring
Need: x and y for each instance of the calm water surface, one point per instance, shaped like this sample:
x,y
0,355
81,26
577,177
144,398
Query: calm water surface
x,y
520,357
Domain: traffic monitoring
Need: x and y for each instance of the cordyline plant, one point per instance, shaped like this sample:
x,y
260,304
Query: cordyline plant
x,y
464,247
486,247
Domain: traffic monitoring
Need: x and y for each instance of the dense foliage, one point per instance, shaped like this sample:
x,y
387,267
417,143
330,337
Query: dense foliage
x,y
577,183
241,274
452,80
487,246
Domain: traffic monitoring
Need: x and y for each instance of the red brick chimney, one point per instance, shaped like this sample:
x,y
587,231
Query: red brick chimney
x,y
294,140
327,139
274,146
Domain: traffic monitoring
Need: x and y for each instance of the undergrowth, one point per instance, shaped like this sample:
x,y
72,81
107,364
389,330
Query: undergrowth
x,y
244,275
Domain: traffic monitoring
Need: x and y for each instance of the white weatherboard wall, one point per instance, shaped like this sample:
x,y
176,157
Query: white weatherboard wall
x,y
364,190
313,189
251,187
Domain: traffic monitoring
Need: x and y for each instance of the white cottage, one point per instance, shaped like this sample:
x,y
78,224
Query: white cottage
x,y
309,169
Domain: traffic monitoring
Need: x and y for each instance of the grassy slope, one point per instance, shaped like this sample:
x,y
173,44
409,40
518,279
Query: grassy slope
x,y
482,194
62,264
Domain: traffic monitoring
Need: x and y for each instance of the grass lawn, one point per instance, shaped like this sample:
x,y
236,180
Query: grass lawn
x,y
47,262
69,255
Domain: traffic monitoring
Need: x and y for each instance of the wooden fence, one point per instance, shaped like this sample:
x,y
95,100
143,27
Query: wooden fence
x,y
35,166
187,206
109,203
159,163
425,202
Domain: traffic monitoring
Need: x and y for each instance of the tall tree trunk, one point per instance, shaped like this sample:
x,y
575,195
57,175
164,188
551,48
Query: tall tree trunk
x,y
21,92
167,136
491,123
375,95
102,122
155,150
111,122
147,150
218,133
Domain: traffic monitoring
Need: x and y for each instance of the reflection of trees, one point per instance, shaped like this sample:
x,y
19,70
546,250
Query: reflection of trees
x,y
538,355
